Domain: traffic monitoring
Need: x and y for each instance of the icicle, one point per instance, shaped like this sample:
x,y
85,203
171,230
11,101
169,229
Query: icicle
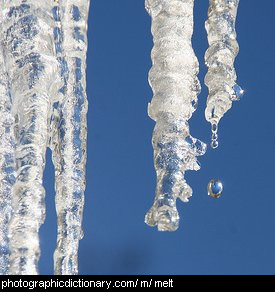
x,y
69,133
7,165
31,66
220,57
43,100
173,79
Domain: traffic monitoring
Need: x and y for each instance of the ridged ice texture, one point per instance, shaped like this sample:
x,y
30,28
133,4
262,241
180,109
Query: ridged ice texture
x,y
69,130
42,90
7,165
26,31
220,57
174,82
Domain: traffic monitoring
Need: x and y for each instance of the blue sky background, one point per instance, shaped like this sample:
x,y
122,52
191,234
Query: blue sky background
x,y
232,235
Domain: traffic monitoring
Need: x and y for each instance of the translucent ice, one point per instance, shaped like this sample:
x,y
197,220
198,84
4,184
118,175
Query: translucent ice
x,y
220,56
43,49
175,85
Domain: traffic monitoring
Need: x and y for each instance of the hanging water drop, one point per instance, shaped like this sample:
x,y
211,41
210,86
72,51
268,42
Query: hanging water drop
x,y
238,92
214,140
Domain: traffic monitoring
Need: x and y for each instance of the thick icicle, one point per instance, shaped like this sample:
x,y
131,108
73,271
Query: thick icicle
x,y
220,57
7,165
173,79
69,133
31,66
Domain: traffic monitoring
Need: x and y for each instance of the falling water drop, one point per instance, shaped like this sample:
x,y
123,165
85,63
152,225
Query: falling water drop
x,y
215,188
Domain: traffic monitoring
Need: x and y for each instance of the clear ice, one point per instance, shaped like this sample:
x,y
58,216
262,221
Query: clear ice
x,y
175,86
220,56
43,104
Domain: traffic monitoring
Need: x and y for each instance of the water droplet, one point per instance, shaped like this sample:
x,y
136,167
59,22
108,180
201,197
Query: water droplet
x,y
214,127
215,188
214,141
238,92
215,136
214,144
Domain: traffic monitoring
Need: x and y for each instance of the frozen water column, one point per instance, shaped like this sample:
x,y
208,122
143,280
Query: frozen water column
x,y
7,164
43,102
31,65
220,57
175,86
70,130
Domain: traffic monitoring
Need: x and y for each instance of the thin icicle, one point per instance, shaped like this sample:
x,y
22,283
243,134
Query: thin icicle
x,y
174,82
69,132
220,56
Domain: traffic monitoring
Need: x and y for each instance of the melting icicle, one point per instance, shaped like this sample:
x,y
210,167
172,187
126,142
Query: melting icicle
x,y
220,57
43,102
173,79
